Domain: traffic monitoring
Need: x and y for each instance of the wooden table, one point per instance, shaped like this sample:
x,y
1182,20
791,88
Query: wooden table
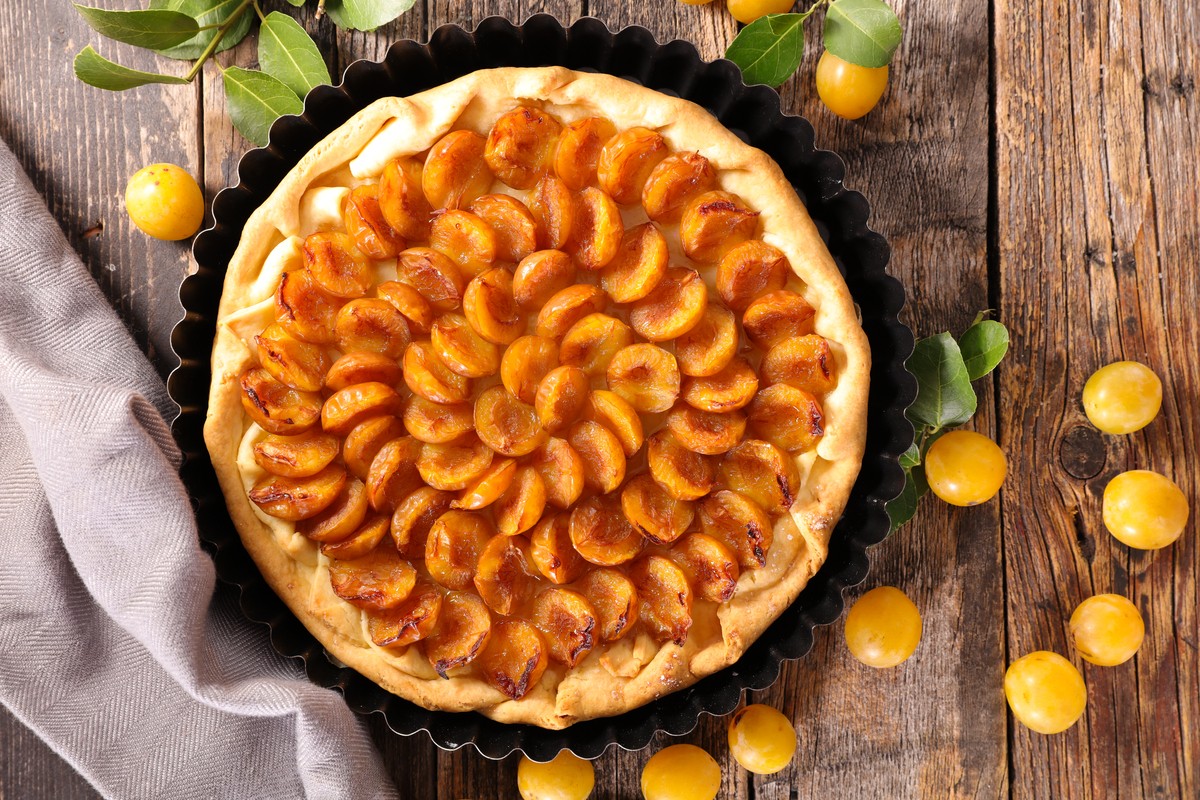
x,y
1039,158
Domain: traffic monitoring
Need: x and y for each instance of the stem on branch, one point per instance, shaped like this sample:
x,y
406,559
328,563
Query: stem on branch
x,y
216,40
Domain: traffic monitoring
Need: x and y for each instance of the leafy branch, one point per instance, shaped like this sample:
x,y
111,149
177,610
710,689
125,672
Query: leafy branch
x,y
770,49
196,30
944,368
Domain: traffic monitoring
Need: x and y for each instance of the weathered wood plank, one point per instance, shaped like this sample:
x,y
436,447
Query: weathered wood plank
x,y
934,726
1096,160
29,769
80,145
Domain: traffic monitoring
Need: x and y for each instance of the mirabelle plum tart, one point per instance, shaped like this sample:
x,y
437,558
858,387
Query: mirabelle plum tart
x,y
536,394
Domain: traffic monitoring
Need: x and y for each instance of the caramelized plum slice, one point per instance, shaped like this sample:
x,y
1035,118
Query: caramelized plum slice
x,y
522,505
601,534
540,275
728,390
615,599
337,265
777,316
371,325
454,466
455,171
675,306
366,225
579,150
505,424
305,309
554,208
709,347
462,631
664,598
453,546
601,453
552,552
409,622
646,376
615,413
627,160
713,224
787,417
296,456
489,306
659,517
366,439
706,432
762,472
433,275
511,221
740,523
426,375
277,407
561,397
346,408
364,367
393,473
568,621
402,200
525,363
561,469
710,566
488,487
434,423
567,307
502,578
341,519
294,499
521,146
359,544
465,239
591,343
598,230
409,302
749,271
675,182
295,362
684,474
413,518
514,658
640,263
462,349
804,362
377,581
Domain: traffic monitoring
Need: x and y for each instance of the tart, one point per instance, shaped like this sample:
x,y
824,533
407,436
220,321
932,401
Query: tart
x,y
536,394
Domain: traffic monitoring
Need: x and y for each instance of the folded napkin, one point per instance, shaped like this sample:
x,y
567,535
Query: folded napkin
x,y
112,647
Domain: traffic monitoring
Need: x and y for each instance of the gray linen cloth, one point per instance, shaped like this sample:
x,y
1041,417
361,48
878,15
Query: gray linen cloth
x,y
111,646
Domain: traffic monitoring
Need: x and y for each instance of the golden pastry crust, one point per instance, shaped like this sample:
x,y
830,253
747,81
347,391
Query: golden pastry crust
x,y
631,671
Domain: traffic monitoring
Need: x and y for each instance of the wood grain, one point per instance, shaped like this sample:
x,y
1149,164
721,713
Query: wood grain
x,y
1041,158
63,134
1096,164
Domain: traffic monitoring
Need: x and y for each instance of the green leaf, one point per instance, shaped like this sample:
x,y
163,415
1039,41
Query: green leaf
x,y
365,15
983,346
207,12
287,52
769,49
944,393
152,29
912,456
296,3
863,32
904,507
95,70
256,100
